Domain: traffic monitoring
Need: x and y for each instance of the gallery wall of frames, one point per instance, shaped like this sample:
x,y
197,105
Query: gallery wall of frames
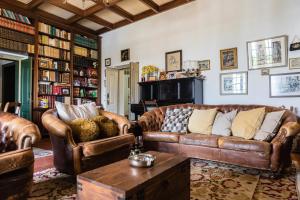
x,y
246,57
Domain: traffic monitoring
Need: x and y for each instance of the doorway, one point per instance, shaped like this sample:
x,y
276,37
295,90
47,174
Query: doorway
x,y
122,88
8,82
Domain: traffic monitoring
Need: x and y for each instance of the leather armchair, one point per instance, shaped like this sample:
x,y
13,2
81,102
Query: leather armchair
x,y
74,158
273,156
16,167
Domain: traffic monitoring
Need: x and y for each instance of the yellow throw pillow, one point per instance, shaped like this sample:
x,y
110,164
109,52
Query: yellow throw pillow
x,y
201,121
84,130
246,123
108,128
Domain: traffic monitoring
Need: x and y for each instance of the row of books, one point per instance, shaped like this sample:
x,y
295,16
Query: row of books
x,y
79,101
45,75
78,61
30,48
15,16
54,42
81,51
52,89
16,26
47,63
49,101
84,41
53,31
14,45
54,52
17,36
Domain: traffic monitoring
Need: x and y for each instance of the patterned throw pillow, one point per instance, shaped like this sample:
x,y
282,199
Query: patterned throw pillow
x,y
108,128
84,130
176,120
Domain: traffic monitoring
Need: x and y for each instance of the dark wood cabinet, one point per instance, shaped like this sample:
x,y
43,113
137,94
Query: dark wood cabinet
x,y
166,92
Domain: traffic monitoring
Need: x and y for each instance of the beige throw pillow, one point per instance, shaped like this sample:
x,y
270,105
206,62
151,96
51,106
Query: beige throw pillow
x,y
270,126
201,121
223,122
247,123
68,112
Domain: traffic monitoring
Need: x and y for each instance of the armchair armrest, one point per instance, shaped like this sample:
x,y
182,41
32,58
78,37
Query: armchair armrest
x,y
123,122
57,127
150,121
14,160
289,129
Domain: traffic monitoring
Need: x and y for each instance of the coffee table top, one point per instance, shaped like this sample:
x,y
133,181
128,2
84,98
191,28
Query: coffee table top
x,y
121,177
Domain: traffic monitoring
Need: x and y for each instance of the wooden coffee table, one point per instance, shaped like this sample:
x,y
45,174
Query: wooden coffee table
x,y
169,178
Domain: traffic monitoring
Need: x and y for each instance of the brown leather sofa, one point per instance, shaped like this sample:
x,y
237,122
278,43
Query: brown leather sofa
x,y
16,166
74,158
272,155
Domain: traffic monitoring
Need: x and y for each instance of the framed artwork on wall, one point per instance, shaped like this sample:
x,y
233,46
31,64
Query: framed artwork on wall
x,y
266,53
125,55
294,63
265,71
107,62
229,59
174,61
204,65
285,85
234,83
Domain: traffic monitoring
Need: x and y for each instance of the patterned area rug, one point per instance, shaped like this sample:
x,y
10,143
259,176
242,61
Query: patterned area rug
x,y
209,181
40,153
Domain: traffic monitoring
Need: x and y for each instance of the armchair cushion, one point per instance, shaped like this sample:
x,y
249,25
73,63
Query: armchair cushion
x,y
14,160
84,130
108,128
98,147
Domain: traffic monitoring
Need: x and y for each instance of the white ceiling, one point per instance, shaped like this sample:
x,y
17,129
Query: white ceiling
x,y
89,24
79,4
25,1
134,7
109,16
49,8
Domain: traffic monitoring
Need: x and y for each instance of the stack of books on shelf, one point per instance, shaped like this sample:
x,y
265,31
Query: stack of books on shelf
x,y
54,52
84,41
55,89
81,51
14,45
54,42
14,16
53,76
7,23
53,31
16,36
79,62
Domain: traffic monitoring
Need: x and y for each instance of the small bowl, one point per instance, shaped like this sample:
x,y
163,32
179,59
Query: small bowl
x,y
142,160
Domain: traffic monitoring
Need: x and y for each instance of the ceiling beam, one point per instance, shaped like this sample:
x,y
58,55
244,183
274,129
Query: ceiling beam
x,y
116,9
66,6
100,21
34,4
151,4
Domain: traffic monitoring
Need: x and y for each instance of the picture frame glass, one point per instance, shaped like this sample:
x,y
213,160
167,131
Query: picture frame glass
x,y
125,55
294,63
285,85
173,61
204,65
234,83
267,53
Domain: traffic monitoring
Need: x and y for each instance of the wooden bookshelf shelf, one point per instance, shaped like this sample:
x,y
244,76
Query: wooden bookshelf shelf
x,y
59,59
53,36
54,47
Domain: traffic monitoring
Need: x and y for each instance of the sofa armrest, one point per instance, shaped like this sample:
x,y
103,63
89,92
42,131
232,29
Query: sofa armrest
x,y
150,121
14,160
123,122
57,127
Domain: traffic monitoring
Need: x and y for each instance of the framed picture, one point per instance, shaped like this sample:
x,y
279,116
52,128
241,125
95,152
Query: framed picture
x,y
162,76
285,85
266,53
125,55
229,59
234,83
171,75
204,65
174,61
294,63
265,71
107,62
65,91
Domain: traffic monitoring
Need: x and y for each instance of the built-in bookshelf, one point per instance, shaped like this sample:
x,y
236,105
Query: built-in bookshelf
x,y
54,66
85,70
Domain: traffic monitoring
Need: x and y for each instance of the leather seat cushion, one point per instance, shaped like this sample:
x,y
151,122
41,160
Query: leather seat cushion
x,y
199,140
240,144
161,136
99,147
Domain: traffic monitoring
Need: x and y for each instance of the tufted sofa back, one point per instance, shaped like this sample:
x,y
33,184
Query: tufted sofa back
x,y
154,119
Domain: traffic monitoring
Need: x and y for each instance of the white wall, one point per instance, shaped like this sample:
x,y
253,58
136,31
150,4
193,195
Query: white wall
x,y
201,29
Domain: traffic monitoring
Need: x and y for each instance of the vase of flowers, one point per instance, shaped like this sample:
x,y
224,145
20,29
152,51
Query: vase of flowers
x,y
150,72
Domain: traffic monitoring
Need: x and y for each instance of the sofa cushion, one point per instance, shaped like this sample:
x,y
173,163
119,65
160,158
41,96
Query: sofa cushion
x,y
84,130
240,144
247,123
98,147
199,140
223,122
176,120
161,136
201,121
270,126
108,128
